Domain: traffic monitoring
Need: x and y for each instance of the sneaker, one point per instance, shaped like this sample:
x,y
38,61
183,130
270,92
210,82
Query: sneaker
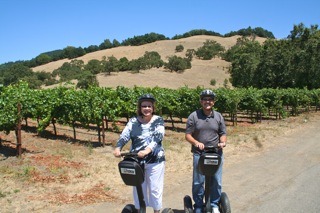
x,y
215,210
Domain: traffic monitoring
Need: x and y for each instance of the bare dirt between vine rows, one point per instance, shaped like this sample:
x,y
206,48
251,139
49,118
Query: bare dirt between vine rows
x,y
58,174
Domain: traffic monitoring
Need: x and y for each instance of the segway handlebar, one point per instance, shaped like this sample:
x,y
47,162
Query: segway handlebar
x,y
211,148
129,154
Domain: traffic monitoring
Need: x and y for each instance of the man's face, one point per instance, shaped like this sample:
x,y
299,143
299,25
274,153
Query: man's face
x,y
207,103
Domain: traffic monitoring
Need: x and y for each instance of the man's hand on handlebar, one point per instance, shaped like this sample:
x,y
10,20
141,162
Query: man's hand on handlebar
x,y
221,145
200,146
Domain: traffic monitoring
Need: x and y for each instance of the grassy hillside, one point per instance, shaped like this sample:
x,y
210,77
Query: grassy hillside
x,y
201,73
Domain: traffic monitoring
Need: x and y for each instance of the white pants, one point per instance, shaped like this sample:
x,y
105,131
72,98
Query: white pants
x,y
152,186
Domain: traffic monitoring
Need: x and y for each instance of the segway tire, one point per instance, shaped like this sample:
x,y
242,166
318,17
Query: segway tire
x,y
224,203
167,210
129,208
187,204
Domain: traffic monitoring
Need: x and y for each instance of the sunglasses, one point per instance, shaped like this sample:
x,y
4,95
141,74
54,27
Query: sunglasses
x,y
207,99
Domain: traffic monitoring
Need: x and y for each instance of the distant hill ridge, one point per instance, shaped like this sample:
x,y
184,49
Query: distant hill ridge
x,y
201,73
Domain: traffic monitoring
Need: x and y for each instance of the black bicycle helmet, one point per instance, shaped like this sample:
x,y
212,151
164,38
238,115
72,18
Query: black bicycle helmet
x,y
207,93
146,97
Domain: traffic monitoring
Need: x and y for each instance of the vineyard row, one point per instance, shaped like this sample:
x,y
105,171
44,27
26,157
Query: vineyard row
x,y
69,106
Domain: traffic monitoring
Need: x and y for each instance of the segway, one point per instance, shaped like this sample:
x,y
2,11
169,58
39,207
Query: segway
x,y
208,165
132,174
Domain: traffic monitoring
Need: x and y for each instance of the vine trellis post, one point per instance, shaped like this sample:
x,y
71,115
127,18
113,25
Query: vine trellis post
x,y
18,132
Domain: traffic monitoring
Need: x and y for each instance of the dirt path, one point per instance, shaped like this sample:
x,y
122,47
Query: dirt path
x,y
268,181
285,178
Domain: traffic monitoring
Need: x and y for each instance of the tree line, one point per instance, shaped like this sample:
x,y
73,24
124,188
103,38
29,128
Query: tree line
x,y
288,63
71,52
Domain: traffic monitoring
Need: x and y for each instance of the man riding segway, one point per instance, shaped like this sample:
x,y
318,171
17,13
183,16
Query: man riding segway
x,y
206,127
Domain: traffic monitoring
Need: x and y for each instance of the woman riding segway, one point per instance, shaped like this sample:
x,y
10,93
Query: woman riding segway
x,y
146,132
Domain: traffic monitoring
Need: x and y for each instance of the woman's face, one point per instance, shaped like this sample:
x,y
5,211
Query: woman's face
x,y
146,108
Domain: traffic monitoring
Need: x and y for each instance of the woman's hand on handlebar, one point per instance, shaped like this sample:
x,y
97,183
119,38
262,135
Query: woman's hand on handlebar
x,y
117,152
140,154
144,153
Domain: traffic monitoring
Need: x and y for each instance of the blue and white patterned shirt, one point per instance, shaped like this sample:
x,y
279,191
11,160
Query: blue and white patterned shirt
x,y
145,135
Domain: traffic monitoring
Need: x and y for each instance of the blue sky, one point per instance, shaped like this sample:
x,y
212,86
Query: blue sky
x,y
31,27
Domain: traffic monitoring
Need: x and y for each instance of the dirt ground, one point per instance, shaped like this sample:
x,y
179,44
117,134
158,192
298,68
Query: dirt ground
x,y
59,174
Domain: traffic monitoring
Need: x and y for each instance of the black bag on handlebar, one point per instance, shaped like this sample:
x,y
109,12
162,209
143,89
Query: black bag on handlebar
x,y
131,171
209,163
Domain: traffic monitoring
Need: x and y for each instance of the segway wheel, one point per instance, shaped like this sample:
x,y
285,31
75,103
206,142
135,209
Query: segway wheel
x,y
167,210
187,204
224,203
129,209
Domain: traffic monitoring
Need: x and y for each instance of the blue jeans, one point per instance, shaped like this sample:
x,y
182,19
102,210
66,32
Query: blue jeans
x,y
198,184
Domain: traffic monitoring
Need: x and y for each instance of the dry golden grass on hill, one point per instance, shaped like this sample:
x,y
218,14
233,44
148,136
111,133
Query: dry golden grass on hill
x,y
201,73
